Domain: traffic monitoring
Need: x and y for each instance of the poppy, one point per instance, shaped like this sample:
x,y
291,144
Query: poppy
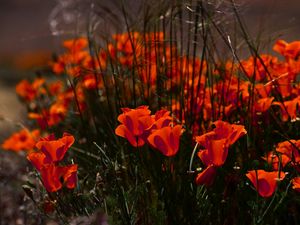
x,y
263,104
289,50
75,45
21,140
52,175
226,133
275,159
51,151
56,149
134,123
265,182
29,91
70,175
207,176
296,184
37,159
216,144
166,139
290,149
162,119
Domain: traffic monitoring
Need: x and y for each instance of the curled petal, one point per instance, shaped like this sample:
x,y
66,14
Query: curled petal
x,y
51,177
207,176
37,159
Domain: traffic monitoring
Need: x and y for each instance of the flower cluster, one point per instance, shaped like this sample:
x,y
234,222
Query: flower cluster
x,y
50,152
216,144
139,127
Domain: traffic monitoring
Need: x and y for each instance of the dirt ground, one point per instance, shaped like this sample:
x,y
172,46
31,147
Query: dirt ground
x,y
24,28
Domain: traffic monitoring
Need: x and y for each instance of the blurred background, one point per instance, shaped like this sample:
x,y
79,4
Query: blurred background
x,y
31,30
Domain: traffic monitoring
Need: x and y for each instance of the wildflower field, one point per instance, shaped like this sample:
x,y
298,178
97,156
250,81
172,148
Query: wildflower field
x,y
173,115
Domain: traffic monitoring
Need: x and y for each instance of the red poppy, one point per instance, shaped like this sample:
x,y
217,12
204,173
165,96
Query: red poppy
x,y
166,139
265,182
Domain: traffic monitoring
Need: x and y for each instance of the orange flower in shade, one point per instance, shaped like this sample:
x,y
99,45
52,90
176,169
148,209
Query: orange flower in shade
x,y
290,149
52,175
265,182
275,159
37,159
207,176
51,117
296,184
55,150
29,91
263,104
22,140
289,109
216,144
76,45
289,50
134,123
166,139
51,151
161,119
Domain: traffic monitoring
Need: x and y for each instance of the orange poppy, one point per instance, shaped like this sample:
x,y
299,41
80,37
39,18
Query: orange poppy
x,y
222,130
216,144
232,132
274,160
289,50
207,176
21,140
166,139
296,184
37,159
55,150
45,161
51,176
134,123
51,117
162,119
75,45
265,182
216,152
290,149
263,104
70,175
29,91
